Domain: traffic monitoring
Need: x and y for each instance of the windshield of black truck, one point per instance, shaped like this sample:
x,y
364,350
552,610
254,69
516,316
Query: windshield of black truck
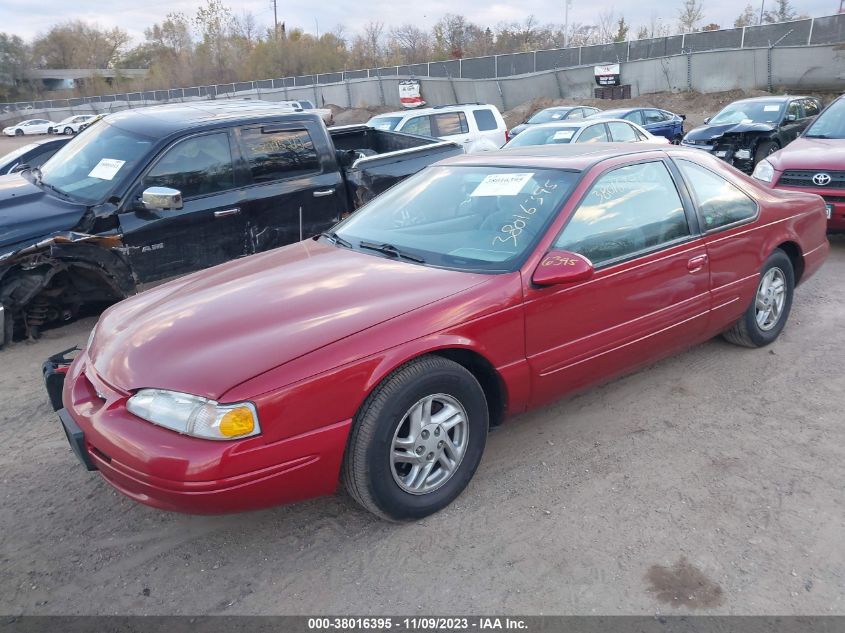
x,y
91,166
462,217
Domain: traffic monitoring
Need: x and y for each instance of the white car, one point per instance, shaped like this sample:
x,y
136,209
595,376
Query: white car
x,y
71,125
303,105
586,131
478,127
30,126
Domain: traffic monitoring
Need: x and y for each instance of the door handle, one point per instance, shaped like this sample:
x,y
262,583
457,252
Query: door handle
x,y
226,212
324,193
696,263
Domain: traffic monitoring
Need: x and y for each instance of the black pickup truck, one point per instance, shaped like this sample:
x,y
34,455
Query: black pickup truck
x,y
148,194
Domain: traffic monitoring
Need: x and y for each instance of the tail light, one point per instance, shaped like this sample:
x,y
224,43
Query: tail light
x,y
507,136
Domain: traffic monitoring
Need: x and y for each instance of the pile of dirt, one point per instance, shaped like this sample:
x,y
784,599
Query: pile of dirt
x,y
347,116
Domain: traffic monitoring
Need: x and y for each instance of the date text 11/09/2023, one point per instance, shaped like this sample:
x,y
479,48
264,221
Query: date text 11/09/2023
x,y
418,623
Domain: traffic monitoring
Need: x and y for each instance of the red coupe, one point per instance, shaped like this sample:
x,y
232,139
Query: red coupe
x,y
379,354
815,163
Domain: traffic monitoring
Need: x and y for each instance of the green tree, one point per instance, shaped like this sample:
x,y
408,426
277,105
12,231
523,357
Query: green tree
x,y
622,29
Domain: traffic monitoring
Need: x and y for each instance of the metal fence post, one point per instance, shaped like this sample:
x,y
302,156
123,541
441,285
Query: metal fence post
x,y
742,41
810,36
689,70
380,86
348,91
579,55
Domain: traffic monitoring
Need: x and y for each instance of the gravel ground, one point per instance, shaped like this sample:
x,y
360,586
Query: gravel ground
x,y
709,483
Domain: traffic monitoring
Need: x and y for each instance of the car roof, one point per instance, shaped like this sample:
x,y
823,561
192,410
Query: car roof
x,y
433,110
578,123
570,157
163,120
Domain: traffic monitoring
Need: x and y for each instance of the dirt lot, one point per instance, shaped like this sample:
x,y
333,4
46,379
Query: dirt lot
x,y
709,483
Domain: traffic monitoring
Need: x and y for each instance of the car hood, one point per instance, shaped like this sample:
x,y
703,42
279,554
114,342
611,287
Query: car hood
x,y
213,330
708,132
29,213
810,153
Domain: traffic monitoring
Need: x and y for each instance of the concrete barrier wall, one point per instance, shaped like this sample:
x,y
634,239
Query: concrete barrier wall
x,y
795,68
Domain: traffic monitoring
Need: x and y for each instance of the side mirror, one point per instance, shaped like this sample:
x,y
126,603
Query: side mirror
x,y
707,120
19,168
162,199
562,267
791,117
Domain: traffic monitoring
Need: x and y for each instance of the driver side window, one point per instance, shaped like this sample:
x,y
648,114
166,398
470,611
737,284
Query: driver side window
x,y
197,166
627,210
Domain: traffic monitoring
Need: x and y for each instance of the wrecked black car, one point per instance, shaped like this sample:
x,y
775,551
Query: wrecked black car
x,y
157,192
748,130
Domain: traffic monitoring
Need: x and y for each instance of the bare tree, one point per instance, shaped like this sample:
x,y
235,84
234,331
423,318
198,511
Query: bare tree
x,y
413,43
373,32
689,15
748,17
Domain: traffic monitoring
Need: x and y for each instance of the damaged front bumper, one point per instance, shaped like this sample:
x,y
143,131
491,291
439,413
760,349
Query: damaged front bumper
x,y
740,157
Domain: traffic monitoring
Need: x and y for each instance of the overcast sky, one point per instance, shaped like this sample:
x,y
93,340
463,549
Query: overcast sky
x,y
27,18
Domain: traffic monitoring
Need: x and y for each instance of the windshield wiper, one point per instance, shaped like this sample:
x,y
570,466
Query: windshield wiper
x,y
390,249
54,189
337,239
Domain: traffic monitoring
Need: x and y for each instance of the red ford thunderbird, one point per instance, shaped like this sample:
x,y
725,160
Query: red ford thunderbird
x,y
379,354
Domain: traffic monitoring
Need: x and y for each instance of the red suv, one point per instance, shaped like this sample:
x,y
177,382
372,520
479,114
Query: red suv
x,y
814,163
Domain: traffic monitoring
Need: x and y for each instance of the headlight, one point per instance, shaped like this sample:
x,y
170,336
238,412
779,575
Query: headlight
x,y
192,415
764,171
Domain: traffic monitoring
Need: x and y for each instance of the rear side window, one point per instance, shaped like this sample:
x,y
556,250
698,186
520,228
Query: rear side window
x,y
719,202
627,210
634,116
419,125
594,134
622,132
279,154
197,166
450,123
811,107
485,120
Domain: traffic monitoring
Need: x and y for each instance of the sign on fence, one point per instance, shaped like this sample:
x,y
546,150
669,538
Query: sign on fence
x,y
607,75
409,93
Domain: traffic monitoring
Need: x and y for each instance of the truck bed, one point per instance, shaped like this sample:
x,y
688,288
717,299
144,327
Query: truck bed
x,y
374,160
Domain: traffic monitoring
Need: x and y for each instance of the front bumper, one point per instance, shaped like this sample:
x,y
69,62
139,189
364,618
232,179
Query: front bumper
x,y
728,153
833,198
170,471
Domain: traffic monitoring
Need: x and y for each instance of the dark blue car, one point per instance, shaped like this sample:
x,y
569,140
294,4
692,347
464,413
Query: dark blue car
x,y
657,122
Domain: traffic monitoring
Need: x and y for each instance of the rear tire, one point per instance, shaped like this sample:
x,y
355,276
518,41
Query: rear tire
x,y
766,317
677,139
393,434
763,150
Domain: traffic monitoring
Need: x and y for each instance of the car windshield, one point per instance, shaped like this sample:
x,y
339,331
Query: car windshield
x,y
385,122
544,136
463,217
749,112
547,116
830,123
90,167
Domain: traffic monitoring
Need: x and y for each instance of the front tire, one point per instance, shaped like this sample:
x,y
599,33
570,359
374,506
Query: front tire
x,y
766,317
763,150
417,440
18,132
68,131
